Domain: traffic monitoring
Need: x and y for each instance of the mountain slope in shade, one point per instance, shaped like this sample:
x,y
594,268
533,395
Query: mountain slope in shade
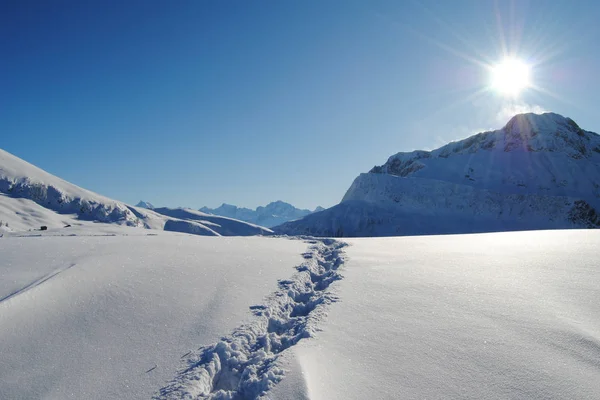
x,y
538,172
274,213
31,198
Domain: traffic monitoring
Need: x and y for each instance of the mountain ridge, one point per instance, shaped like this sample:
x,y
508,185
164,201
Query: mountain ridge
x,y
274,213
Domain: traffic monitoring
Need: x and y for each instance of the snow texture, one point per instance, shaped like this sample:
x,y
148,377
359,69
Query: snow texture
x,y
538,172
486,316
244,364
102,311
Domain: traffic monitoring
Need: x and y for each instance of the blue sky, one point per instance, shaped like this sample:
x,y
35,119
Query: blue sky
x,y
193,103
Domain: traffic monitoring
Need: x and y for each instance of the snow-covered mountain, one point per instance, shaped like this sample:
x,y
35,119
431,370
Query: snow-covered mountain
x,y
145,204
541,171
272,214
31,198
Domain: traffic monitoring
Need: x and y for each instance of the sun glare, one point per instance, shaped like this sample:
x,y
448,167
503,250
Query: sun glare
x,y
510,77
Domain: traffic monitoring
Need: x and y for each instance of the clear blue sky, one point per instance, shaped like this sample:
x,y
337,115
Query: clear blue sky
x,y
192,103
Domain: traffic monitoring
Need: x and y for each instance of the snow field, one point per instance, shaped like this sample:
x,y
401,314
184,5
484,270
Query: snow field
x,y
108,315
244,365
487,316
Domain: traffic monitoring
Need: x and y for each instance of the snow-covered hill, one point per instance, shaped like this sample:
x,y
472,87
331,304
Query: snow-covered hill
x,y
538,172
31,198
273,214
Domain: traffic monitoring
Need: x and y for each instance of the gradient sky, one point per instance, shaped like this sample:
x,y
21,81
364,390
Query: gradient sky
x,y
192,103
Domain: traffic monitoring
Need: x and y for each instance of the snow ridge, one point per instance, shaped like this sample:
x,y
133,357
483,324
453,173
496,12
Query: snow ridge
x,y
244,364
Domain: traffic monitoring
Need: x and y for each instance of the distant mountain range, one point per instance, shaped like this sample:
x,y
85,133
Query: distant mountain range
x,y
540,171
272,214
31,198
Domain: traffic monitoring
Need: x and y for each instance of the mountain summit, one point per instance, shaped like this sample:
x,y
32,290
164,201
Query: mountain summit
x,y
145,204
539,171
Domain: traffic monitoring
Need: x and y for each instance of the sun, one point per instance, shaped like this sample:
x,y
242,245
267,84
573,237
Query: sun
x,y
510,77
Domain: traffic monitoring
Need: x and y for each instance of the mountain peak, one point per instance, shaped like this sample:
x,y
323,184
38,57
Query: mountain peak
x,y
547,132
145,204
545,123
539,121
524,133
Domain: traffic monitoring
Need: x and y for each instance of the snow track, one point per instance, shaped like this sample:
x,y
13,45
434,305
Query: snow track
x,y
35,283
244,364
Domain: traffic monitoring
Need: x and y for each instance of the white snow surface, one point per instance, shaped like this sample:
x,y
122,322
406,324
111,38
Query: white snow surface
x,y
486,316
120,312
538,172
31,198
107,312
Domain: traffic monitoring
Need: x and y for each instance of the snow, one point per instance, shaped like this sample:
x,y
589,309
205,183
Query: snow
x,y
486,316
110,312
244,364
21,214
86,316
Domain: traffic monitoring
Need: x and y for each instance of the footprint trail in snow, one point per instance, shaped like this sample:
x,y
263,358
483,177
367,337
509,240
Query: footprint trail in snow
x,y
243,365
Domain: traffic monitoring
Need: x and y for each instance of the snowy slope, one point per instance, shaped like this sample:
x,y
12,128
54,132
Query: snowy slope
x,y
273,214
538,172
17,214
31,198
20,179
